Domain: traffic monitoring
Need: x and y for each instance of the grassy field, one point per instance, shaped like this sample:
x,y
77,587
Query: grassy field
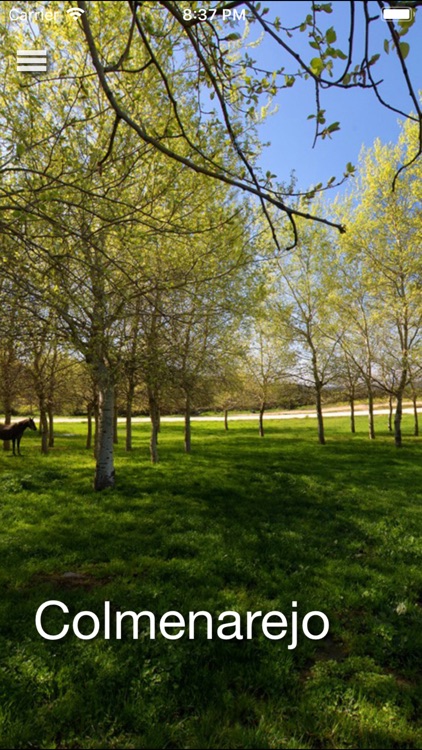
x,y
241,524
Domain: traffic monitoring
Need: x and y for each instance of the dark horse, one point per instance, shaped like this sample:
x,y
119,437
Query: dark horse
x,y
15,431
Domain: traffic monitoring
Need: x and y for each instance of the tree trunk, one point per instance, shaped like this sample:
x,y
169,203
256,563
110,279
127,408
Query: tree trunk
x,y
115,421
187,424
226,419
104,474
8,374
397,420
352,412
390,413
399,408
89,433
371,414
318,395
321,435
129,404
43,427
415,414
154,413
50,426
261,419
7,420
97,427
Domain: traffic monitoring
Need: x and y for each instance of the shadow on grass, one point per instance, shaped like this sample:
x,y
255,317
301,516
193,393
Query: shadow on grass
x,y
242,524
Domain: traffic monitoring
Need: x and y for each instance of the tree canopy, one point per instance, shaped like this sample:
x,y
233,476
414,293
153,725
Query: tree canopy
x,y
193,47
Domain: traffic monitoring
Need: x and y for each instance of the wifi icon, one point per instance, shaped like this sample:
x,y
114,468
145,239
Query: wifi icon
x,y
75,12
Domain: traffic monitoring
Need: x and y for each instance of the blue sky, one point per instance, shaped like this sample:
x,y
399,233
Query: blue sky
x,y
362,118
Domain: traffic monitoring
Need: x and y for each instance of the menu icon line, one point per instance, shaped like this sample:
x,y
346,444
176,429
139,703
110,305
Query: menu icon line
x,y
31,60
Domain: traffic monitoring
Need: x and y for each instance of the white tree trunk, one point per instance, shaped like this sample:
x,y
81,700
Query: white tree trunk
x,y
104,474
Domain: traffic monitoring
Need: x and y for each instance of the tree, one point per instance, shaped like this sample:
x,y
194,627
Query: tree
x,y
266,359
199,333
43,369
414,384
10,350
301,288
349,376
356,315
386,239
227,385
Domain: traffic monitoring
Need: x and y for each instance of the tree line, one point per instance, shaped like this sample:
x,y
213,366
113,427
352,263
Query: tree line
x,y
335,318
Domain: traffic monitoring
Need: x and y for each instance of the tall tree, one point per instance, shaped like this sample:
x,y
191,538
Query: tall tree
x,y
266,361
386,238
11,348
302,286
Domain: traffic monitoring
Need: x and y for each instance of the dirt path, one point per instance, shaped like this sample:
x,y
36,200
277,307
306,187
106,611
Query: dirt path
x,y
334,411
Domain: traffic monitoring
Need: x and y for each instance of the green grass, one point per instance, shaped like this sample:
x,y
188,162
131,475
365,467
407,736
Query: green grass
x,y
241,524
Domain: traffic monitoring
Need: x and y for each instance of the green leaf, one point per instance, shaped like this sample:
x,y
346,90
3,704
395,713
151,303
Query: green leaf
x,y
317,66
232,37
20,148
406,25
404,49
346,79
386,46
331,35
333,127
409,24
341,55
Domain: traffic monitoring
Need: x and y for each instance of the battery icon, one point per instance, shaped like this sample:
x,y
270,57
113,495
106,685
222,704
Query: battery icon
x,y
397,14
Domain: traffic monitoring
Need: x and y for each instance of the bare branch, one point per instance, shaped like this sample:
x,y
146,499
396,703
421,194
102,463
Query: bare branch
x,y
160,146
